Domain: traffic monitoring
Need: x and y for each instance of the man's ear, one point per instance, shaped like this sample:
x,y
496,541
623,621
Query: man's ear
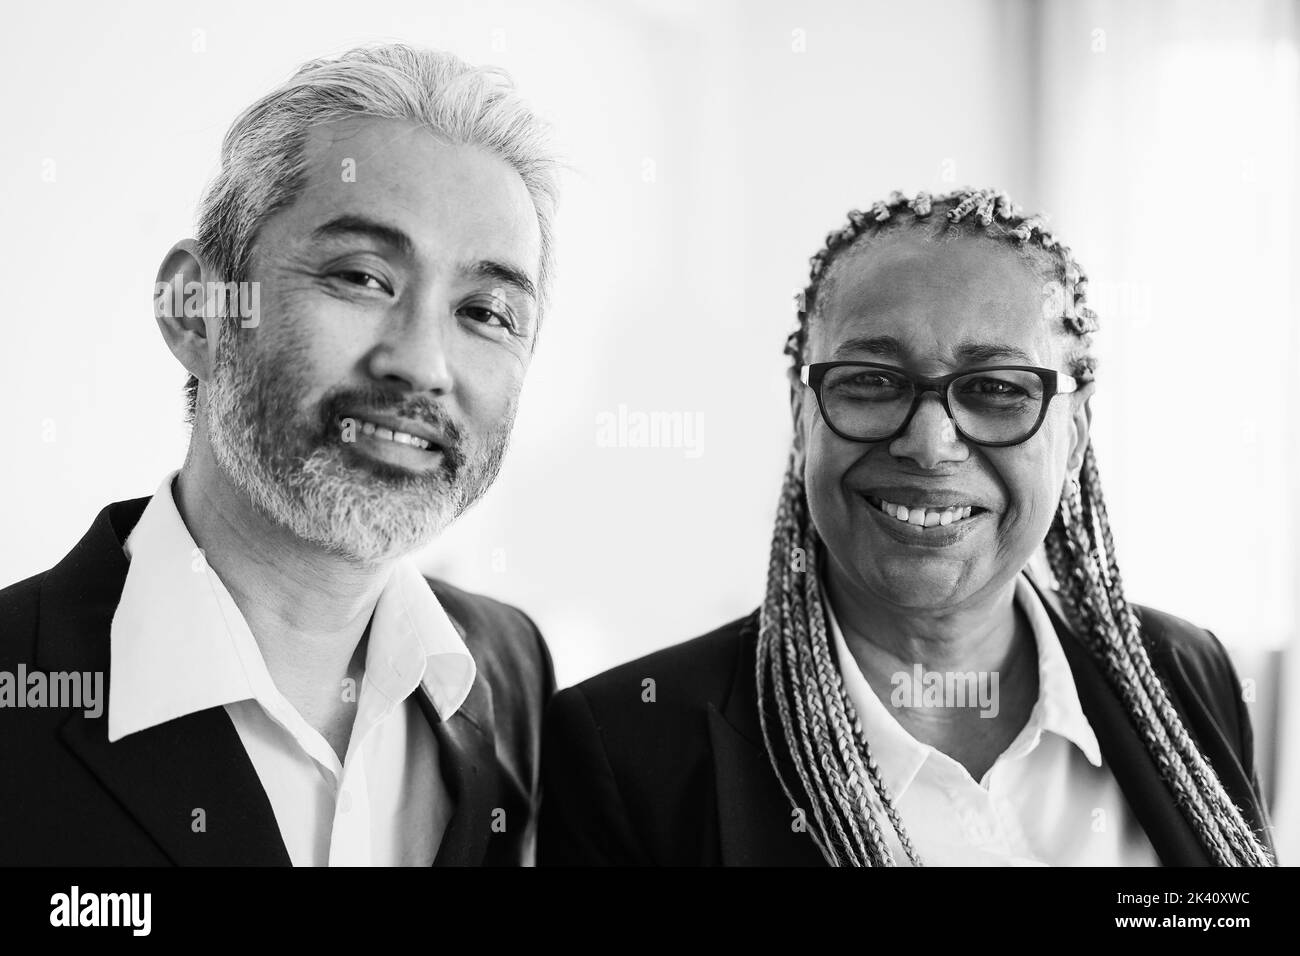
x,y
1080,427
180,308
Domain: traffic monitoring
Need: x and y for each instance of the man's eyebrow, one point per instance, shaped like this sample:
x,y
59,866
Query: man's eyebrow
x,y
354,225
501,272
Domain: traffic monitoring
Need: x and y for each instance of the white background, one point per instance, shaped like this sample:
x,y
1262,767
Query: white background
x,y
712,147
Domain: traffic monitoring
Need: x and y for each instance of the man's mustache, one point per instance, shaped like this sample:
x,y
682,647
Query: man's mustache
x,y
341,403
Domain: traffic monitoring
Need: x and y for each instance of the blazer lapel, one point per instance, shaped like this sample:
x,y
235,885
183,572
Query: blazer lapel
x,y
188,783
755,819
1123,750
487,810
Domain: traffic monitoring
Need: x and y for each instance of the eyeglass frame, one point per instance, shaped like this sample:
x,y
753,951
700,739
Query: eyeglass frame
x,y
814,374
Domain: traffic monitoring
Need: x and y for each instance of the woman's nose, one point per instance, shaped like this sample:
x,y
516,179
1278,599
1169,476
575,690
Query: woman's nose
x,y
931,438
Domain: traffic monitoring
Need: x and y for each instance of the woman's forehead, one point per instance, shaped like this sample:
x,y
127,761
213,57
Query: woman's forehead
x,y
938,300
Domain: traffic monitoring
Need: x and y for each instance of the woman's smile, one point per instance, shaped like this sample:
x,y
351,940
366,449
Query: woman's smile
x,y
933,528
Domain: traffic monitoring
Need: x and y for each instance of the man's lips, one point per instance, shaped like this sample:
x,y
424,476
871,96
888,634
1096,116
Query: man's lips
x,y
401,431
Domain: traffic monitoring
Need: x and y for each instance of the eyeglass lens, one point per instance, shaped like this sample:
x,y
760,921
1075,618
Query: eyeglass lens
x,y
871,403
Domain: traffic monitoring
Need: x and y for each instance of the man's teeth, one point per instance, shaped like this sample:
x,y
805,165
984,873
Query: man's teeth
x,y
925,517
388,434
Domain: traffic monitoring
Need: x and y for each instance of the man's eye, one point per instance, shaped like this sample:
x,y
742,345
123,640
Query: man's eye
x,y
488,316
361,278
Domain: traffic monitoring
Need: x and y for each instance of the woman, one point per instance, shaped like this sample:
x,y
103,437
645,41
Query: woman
x,y
910,692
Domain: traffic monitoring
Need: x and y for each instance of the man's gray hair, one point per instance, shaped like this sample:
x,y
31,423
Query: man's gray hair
x,y
262,168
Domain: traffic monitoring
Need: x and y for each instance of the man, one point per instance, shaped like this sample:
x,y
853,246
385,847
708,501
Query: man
x,y
356,313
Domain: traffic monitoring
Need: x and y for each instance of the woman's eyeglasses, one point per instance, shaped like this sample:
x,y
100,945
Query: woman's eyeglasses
x,y
995,405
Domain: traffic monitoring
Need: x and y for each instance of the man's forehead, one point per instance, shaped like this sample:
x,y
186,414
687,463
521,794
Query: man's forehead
x,y
446,198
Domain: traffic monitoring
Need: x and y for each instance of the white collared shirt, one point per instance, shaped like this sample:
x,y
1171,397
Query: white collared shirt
x,y
1048,799
180,645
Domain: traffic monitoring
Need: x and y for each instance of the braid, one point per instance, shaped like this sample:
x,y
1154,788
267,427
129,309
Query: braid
x,y
831,771
1081,552
821,735
777,657
1132,629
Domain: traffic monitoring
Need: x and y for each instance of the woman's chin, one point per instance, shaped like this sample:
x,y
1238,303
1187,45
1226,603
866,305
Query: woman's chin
x,y
927,583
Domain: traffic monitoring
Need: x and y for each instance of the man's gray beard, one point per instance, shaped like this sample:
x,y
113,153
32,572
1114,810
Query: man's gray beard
x,y
297,474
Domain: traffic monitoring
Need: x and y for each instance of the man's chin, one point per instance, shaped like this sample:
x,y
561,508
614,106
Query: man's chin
x,y
368,513
371,554
368,539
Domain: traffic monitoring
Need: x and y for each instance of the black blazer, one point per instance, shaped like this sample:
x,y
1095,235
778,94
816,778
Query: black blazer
x,y
686,780
69,797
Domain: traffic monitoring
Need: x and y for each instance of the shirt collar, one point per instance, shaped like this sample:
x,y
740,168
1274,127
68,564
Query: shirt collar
x,y
1058,697
179,644
900,756
411,634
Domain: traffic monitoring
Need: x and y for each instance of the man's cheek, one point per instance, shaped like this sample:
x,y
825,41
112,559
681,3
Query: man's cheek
x,y
481,412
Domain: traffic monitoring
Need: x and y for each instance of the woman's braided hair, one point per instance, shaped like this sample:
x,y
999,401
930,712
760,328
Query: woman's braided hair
x,y
799,684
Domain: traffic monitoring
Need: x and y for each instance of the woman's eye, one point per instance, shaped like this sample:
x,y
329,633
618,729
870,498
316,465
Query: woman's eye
x,y
993,386
875,380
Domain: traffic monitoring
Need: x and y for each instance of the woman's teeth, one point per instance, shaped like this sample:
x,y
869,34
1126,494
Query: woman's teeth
x,y
388,434
925,517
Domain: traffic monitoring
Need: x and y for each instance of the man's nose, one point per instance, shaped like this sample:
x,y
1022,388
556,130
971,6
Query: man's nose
x,y
413,352
931,438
